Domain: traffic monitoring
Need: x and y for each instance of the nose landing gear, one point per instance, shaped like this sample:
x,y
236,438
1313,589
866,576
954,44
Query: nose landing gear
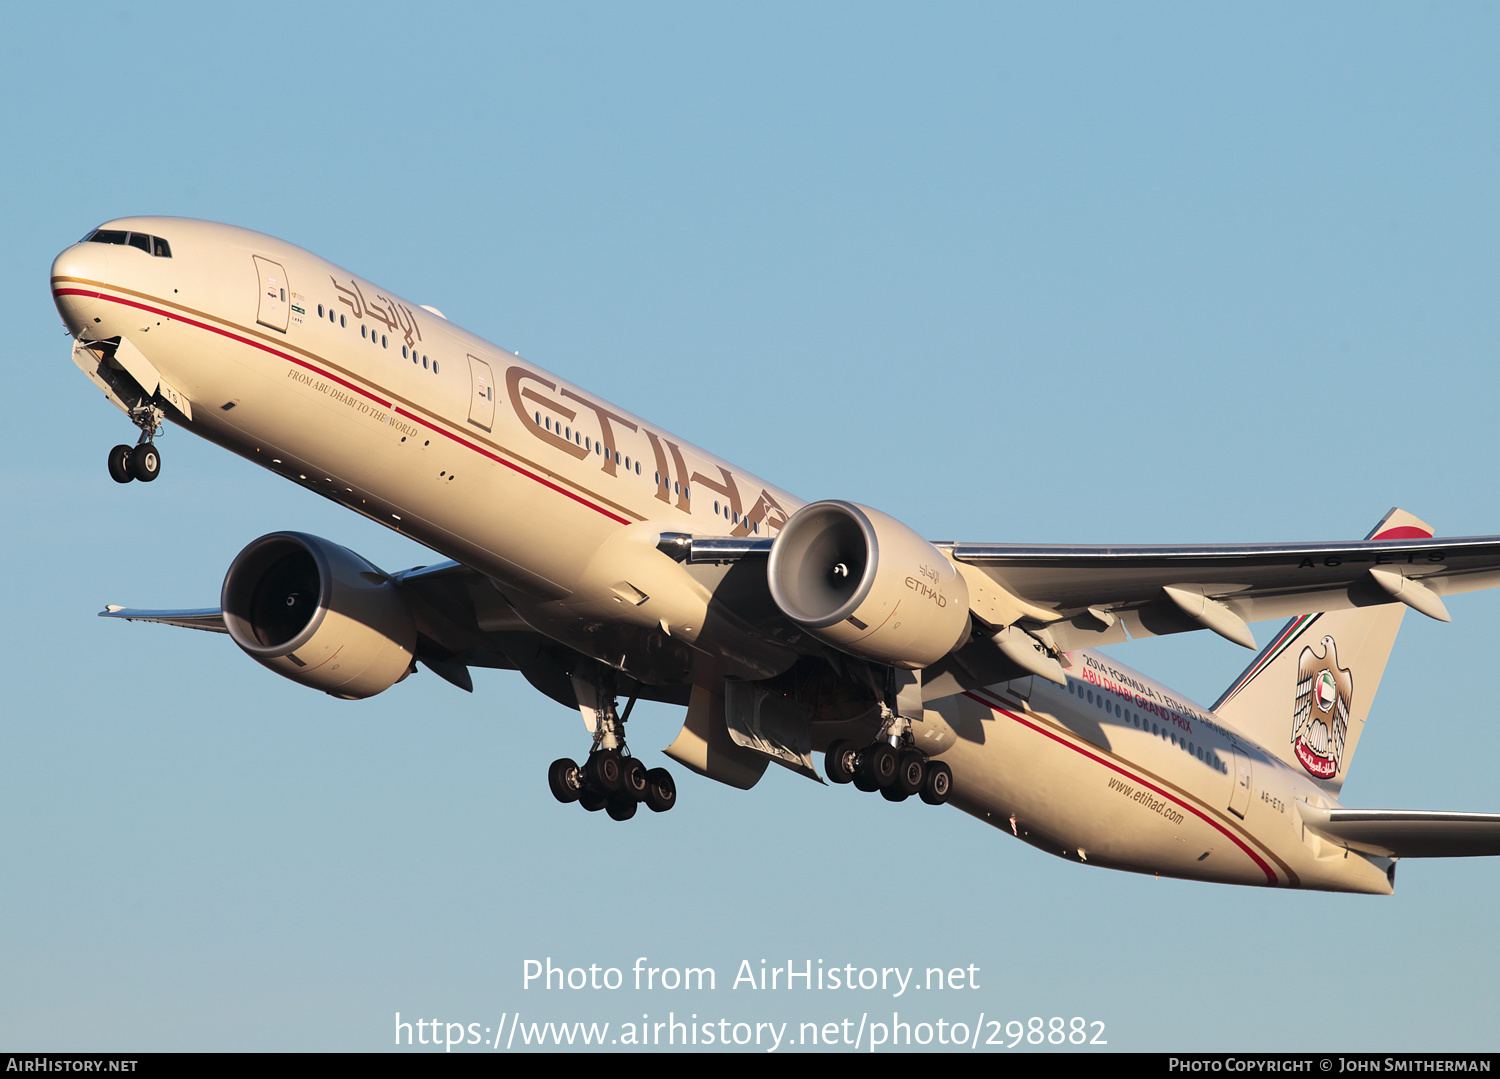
x,y
143,460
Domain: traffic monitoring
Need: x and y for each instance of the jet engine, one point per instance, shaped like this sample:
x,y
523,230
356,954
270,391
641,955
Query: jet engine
x,y
866,584
319,614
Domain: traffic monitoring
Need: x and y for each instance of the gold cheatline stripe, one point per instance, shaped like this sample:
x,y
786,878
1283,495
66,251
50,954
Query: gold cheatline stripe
x,y
1232,823
365,379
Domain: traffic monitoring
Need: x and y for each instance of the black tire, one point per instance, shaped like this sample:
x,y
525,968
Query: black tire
x,y
879,763
565,780
839,761
911,773
593,801
621,808
119,464
893,793
661,793
633,781
939,783
602,772
145,462
863,782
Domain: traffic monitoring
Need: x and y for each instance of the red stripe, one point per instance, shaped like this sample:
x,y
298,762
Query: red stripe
x,y
1269,872
509,464
349,386
1404,532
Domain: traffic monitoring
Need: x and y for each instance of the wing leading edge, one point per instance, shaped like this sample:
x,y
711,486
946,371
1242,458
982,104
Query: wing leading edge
x,y
1093,594
1089,587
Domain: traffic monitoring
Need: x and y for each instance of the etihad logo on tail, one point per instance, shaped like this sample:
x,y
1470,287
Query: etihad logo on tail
x,y
1321,716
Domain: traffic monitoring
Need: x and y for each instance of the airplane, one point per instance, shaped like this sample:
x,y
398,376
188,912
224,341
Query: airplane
x,y
603,557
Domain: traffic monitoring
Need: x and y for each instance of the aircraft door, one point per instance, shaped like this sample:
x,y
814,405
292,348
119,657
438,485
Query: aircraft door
x,y
1239,797
274,307
482,402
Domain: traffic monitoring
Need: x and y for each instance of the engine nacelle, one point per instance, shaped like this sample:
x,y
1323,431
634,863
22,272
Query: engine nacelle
x,y
319,614
866,584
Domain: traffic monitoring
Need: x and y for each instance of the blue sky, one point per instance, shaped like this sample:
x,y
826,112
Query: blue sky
x,y
1073,273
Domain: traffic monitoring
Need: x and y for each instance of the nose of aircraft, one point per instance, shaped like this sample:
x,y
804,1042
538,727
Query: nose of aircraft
x,y
76,275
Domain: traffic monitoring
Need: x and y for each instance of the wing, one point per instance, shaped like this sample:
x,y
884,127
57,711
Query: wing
x,y
455,631
1091,595
1407,833
1096,592
204,618
462,622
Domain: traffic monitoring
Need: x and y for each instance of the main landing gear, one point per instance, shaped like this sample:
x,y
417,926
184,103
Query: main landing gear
x,y
612,782
143,460
897,770
611,779
891,763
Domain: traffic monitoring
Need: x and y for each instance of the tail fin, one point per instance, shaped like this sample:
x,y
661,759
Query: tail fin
x,y
1306,696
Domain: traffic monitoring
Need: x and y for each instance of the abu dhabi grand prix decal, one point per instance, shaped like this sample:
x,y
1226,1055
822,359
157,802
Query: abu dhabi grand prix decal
x,y
1321,718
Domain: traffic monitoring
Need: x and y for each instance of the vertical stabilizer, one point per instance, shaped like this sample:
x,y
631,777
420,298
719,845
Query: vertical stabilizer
x,y
1307,695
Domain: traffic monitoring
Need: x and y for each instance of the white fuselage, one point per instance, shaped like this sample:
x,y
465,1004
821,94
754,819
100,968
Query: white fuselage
x,y
386,407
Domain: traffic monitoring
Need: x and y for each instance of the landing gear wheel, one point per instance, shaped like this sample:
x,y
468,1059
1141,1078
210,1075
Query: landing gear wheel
x,y
119,464
840,761
938,784
910,773
893,793
565,780
879,763
621,808
593,801
145,462
603,771
661,791
633,781
863,782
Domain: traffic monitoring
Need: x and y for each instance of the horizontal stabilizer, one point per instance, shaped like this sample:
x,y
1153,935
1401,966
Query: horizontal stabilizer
x,y
1407,833
206,618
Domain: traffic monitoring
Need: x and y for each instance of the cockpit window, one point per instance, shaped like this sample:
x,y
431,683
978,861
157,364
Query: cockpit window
x,y
152,245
